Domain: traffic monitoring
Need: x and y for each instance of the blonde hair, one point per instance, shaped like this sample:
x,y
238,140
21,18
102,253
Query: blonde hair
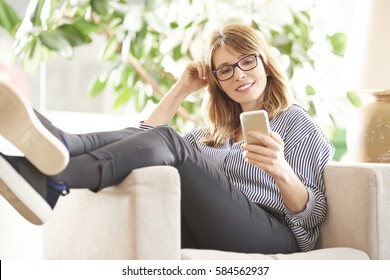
x,y
223,113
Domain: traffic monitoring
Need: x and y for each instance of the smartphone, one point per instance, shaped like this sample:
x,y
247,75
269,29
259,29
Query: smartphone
x,y
256,121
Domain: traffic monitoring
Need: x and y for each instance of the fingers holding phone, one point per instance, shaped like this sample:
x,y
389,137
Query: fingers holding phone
x,y
263,148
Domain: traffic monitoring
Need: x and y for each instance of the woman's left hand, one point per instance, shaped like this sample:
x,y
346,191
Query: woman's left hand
x,y
269,155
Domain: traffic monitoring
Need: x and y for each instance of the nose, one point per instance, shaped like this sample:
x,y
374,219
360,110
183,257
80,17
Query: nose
x,y
239,73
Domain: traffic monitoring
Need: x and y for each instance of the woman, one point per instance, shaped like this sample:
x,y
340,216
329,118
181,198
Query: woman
x,y
266,198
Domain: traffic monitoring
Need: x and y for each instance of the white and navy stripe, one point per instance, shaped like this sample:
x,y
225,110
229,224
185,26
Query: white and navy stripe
x,y
306,149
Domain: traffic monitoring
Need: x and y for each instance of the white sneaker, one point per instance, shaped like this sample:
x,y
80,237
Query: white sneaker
x,y
20,126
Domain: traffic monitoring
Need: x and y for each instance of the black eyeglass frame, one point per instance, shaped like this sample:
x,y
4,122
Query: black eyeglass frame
x,y
237,64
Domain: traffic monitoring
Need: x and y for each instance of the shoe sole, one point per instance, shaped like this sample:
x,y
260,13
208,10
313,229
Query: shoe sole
x,y
20,126
22,196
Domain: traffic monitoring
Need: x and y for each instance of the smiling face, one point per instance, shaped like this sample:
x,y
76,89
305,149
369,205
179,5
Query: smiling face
x,y
245,87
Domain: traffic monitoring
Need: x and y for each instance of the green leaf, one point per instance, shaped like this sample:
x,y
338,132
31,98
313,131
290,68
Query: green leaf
x,y
148,44
306,14
188,25
31,56
124,96
310,90
354,99
177,54
338,139
174,25
283,43
100,6
140,100
339,42
36,11
55,41
72,34
87,27
9,19
189,106
97,86
109,50
312,109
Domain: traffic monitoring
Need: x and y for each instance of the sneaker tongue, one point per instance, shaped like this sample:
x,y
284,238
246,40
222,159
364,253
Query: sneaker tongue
x,y
12,160
32,175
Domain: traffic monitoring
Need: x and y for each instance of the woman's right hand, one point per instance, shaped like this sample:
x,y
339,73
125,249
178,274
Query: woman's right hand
x,y
194,77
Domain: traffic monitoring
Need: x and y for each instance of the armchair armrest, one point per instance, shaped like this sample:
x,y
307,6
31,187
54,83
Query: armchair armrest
x,y
358,216
138,219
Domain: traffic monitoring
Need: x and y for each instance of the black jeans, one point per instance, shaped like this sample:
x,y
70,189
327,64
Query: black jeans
x,y
214,213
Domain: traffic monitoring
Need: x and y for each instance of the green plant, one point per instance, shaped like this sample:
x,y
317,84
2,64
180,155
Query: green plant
x,y
147,41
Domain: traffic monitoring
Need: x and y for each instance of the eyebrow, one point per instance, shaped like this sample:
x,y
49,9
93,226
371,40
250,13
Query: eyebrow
x,y
227,64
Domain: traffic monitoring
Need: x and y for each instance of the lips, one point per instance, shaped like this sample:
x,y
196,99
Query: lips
x,y
244,87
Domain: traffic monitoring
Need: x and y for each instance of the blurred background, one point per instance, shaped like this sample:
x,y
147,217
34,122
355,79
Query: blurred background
x,y
118,57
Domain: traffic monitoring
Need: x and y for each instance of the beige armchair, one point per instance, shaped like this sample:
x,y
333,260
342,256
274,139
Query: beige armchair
x,y
140,219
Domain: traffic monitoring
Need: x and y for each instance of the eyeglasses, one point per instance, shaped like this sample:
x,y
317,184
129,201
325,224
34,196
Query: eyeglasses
x,y
246,63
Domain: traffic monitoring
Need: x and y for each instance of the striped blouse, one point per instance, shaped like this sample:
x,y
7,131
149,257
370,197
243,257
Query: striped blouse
x,y
306,149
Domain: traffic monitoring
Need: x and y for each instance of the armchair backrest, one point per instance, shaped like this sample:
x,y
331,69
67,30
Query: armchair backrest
x,y
358,197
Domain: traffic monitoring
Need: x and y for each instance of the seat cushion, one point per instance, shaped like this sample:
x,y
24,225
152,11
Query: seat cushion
x,y
320,254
